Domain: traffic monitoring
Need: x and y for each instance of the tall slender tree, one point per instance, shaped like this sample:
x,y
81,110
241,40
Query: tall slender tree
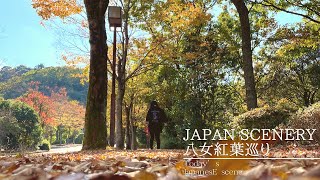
x,y
121,79
95,118
251,94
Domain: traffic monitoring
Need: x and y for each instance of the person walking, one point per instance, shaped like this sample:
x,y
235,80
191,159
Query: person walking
x,y
156,118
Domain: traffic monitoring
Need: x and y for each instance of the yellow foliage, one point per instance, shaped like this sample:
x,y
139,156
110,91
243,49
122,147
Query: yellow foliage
x,y
51,8
182,16
78,61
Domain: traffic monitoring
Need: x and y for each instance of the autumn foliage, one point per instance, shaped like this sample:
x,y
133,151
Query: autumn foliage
x,y
50,8
68,113
55,111
41,103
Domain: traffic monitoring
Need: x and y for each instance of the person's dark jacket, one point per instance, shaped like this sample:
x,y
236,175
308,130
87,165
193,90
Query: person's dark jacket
x,y
156,116
156,111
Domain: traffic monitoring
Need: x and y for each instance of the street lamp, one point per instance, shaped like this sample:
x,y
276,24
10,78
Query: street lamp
x,y
115,20
115,16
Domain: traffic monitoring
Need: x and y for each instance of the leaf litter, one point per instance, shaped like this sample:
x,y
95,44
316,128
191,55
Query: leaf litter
x,y
157,164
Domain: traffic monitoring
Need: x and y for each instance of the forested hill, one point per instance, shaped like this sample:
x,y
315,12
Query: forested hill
x,y
15,81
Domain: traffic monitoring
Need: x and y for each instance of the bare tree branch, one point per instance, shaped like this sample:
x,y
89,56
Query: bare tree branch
x,y
288,11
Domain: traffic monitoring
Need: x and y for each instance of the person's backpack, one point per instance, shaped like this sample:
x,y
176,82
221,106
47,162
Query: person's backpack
x,y
155,116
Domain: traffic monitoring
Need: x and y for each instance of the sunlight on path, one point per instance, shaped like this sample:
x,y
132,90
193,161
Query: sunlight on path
x,y
64,149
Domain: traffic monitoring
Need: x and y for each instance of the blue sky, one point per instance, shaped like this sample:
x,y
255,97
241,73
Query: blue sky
x,y
23,41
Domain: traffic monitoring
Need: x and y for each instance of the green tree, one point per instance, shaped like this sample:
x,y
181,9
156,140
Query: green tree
x,y
19,124
50,78
294,69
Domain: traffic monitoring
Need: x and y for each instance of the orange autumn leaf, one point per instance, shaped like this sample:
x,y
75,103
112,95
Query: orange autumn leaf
x,y
51,8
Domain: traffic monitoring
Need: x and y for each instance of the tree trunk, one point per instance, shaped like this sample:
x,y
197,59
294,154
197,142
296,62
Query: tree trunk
x,y
251,95
119,126
128,132
95,117
312,101
57,135
51,137
122,82
133,137
133,129
306,98
113,92
60,134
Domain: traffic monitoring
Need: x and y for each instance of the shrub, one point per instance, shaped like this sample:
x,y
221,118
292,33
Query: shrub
x,y
308,118
169,142
63,141
172,139
79,139
266,117
45,145
49,133
141,138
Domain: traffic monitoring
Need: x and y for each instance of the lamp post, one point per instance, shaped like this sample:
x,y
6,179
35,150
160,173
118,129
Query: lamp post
x,y
115,20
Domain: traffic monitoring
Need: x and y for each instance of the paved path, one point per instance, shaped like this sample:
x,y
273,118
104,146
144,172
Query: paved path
x,y
63,149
